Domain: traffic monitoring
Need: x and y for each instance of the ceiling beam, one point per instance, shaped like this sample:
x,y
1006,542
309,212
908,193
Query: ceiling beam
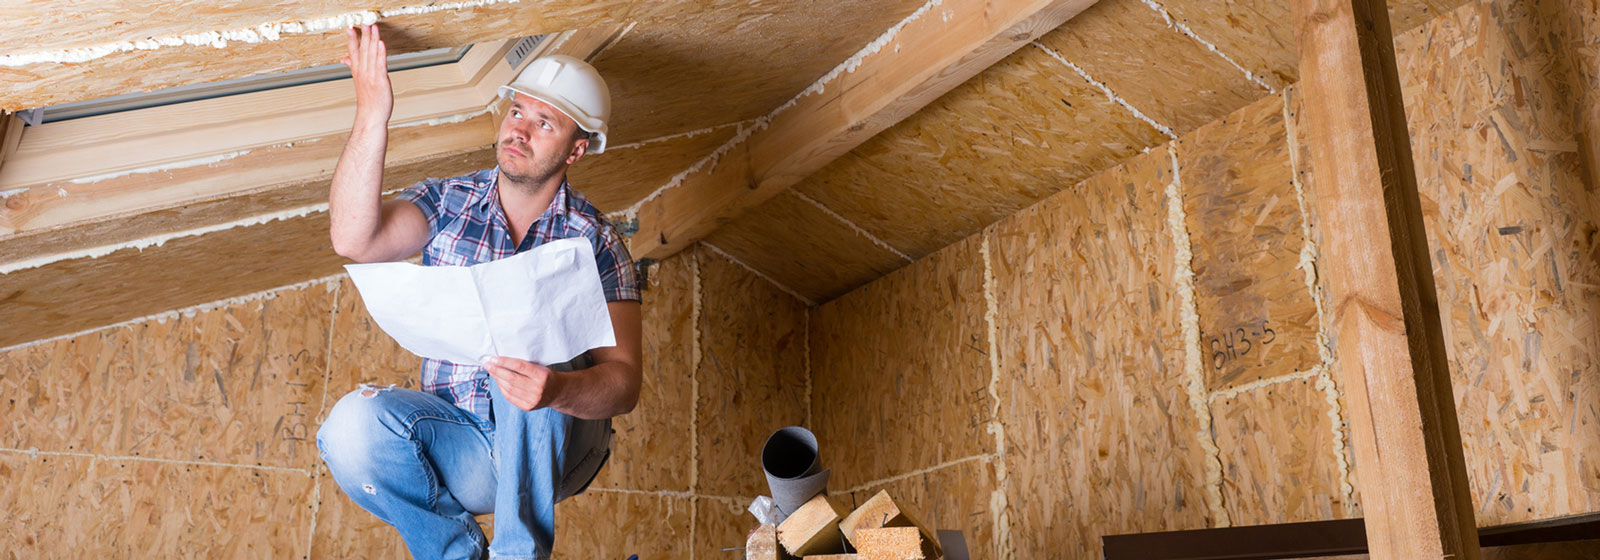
x,y
1392,362
10,135
926,56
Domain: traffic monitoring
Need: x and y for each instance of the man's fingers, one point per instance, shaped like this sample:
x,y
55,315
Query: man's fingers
x,y
351,44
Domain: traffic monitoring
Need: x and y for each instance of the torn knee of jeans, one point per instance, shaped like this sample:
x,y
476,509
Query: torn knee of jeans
x,y
370,390
369,489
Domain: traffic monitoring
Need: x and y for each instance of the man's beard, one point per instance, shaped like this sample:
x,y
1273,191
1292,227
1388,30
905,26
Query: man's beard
x,y
543,168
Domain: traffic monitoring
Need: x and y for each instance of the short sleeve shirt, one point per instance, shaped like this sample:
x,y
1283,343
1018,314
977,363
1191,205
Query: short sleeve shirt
x,y
467,226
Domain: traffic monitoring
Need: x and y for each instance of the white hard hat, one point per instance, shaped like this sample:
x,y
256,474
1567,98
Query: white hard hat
x,y
573,87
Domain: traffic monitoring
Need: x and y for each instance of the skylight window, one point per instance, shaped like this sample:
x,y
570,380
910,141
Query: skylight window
x,y
237,86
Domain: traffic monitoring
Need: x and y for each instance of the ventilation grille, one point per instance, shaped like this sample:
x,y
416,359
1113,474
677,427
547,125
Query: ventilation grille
x,y
522,49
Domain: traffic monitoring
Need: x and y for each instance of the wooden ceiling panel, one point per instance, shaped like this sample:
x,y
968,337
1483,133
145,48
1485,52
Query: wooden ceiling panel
x,y
668,77
41,84
616,178
1253,33
803,248
1169,77
1021,130
79,294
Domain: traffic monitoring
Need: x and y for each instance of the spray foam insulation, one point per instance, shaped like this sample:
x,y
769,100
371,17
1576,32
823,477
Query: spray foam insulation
x,y
902,364
1173,79
1017,132
1091,358
1512,232
798,243
1257,319
751,376
1276,448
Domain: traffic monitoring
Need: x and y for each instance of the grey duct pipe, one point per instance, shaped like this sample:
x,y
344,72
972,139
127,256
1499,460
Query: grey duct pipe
x,y
793,468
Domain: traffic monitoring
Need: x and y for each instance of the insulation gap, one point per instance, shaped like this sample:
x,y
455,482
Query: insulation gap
x,y
998,503
1183,28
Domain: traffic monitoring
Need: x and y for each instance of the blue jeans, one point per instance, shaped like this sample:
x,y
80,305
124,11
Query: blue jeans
x,y
426,467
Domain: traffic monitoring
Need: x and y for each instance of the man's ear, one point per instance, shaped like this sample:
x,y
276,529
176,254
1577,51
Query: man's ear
x,y
579,147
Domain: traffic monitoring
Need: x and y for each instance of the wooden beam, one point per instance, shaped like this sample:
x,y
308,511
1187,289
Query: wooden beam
x,y
1374,256
881,510
813,529
927,57
891,543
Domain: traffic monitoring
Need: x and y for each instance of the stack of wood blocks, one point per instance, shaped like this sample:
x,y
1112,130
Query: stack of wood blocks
x,y
881,529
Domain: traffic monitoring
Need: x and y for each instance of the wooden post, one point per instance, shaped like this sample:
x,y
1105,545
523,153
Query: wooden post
x,y
1391,352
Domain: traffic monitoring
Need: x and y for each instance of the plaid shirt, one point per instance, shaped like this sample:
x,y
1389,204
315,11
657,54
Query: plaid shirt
x,y
466,226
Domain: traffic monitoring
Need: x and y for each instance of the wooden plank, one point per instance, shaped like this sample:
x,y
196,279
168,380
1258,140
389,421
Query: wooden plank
x,y
10,135
1393,364
891,543
929,56
813,529
883,511
762,544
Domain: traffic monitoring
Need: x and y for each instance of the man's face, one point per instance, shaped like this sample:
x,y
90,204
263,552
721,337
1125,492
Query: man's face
x,y
536,141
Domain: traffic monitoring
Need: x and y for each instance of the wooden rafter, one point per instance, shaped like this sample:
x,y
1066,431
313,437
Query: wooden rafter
x,y
1392,363
10,135
926,58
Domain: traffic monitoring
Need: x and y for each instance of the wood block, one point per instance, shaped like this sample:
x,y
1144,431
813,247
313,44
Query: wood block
x,y
845,556
813,529
890,543
762,544
883,511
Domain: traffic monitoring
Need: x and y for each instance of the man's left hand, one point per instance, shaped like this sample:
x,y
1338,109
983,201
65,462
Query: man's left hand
x,y
526,385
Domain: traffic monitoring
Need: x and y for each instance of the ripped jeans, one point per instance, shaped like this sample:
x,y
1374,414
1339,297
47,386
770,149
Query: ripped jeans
x,y
425,466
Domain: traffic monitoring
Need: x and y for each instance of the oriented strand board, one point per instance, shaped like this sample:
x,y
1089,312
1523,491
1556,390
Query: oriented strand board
x,y
1019,131
1171,78
721,524
616,178
957,497
900,370
801,246
614,525
239,384
1091,355
123,509
1251,32
751,376
344,530
1257,318
363,353
1512,228
649,453
129,283
730,62
1277,453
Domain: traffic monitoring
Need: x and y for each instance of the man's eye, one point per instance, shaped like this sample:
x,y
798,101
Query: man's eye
x,y
517,114
545,125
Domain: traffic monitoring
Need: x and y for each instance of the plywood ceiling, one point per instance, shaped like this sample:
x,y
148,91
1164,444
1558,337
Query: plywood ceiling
x,y
687,76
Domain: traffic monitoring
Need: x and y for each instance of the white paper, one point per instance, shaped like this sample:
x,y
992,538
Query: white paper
x,y
545,305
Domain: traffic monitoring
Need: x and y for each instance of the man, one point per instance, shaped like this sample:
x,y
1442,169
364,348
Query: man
x,y
508,437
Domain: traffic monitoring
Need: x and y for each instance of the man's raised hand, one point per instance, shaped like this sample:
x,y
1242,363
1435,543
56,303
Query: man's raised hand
x,y
369,69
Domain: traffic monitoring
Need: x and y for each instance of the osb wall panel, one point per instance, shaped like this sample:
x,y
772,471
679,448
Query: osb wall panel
x,y
751,375
239,384
900,370
954,498
360,352
613,180
344,530
1512,227
1277,450
800,245
1257,318
47,301
613,525
1021,130
1091,357
1169,77
82,506
721,524
649,451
